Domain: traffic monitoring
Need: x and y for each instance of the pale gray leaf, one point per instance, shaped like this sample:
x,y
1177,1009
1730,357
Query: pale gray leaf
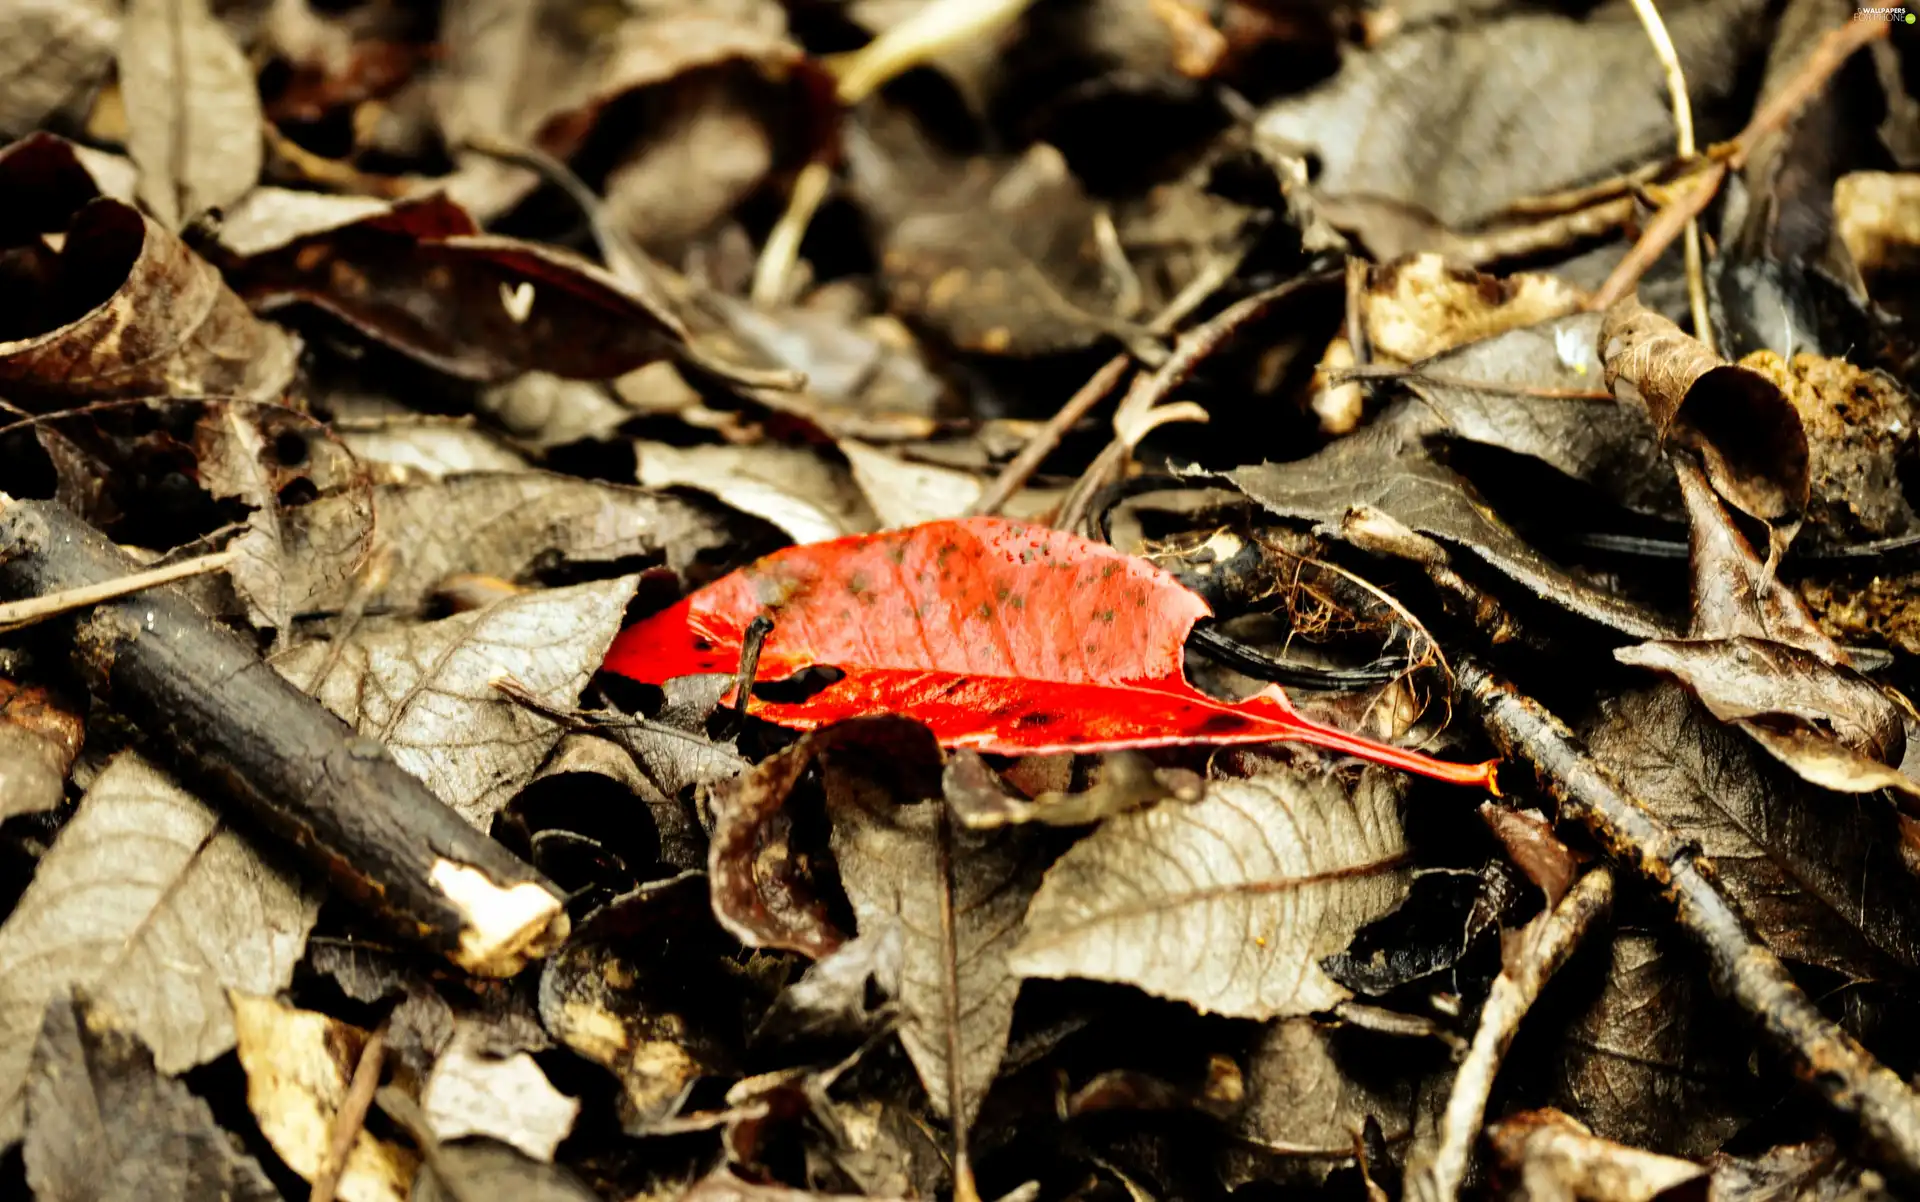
x,y
427,690
268,218
509,525
407,453
1228,903
542,410
1308,1092
807,496
104,1125
480,1170
155,908
506,1098
52,54
954,989
193,109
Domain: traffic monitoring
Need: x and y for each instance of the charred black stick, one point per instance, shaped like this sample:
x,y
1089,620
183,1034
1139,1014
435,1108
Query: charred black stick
x,y
1823,1057
225,722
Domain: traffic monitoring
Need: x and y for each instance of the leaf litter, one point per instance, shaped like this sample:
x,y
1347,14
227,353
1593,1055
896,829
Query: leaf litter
x,y
759,711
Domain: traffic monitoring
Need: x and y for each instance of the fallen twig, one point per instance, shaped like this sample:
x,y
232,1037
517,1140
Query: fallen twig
x,y
1656,28
224,721
17,614
1825,1059
1550,941
352,1117
1834,49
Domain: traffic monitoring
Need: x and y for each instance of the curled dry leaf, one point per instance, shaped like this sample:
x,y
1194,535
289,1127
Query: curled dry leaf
x,y
103,1123
957,898
155,908
423,280
427,690
472,1092
39,738
1743,427
957,625
193,110
1228,903
124,308
298,1065
1820,882
1387,467
52,54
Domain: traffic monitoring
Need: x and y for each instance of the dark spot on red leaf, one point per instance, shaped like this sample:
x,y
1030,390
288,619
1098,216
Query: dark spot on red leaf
x,y
1035,719
1104,615
1220,724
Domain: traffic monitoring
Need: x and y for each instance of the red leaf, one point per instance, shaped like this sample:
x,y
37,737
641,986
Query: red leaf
x,y
998,636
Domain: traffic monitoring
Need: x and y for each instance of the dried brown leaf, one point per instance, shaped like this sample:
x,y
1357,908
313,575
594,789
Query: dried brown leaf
x,y
154,907
193,110
1385,466
298,1064
1126,780
1419,306
809,497
1554,1156
1818,875
958,899
1228,903
1308,1093
427,690
1810,1172
1744,428
103,1124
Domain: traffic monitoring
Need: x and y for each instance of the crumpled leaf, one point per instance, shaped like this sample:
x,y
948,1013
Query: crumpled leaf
x,y
1743,427
39,738
1386,466
958,625
193,109
506,525
124,308
423,280
298,1064
1821,882
622,994
1459,117
52,54
427,691
471,1092
957,898
1228,903
153,906
1648,1058
102,1123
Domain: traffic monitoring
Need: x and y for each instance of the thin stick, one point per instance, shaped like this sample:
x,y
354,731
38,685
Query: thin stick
x,y
1835,47
352,1117
1669,58
1826,1060
16,614
1551,940
1021,467
773,272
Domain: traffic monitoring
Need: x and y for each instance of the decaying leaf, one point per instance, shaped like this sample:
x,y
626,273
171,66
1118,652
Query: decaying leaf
x,y
427,691
789,486
1228,903
1817,1171
1814,879
1555,1156
1420,306
102,1123
155,908
1386,466
507,1098
52,54
298,1064
39,738
483,1168
958,899
122,280
953,624
1309,1093
1126,780
193,111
